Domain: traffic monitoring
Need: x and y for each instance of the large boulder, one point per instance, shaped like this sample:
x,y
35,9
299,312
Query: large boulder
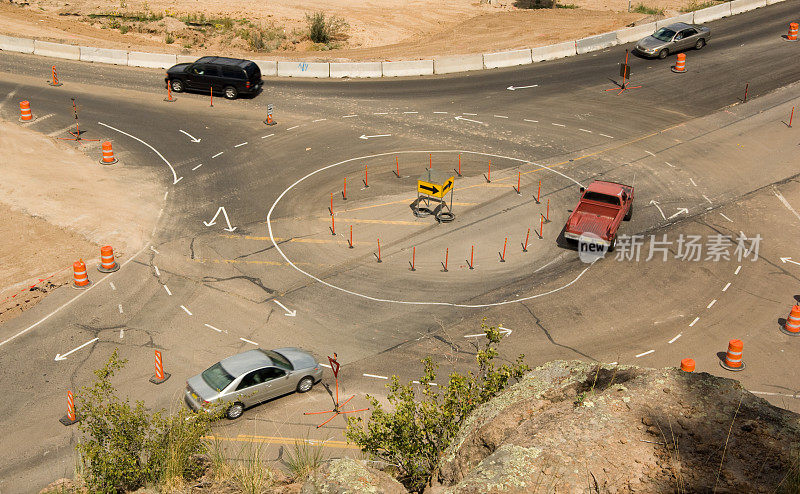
x,y
346,475
579,427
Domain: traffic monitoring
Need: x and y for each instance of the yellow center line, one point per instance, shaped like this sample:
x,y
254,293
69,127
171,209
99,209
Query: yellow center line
x,y
329,240
285,440
376,222
245,261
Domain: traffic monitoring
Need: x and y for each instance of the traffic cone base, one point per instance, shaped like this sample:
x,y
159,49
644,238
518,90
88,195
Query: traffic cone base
x,y
727,367
156,380
65,419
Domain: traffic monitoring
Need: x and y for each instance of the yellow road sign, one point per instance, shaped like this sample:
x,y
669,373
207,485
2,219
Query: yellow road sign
x,y
435,189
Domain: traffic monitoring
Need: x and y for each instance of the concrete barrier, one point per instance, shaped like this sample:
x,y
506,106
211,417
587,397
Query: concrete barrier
x,y
304,69
772,2
19,45
739,6
597,42
552,52
56,50
457,63
688,18
186,58
712,13
151,60
635,33
269,68
103,55
356,70
407,68
507,58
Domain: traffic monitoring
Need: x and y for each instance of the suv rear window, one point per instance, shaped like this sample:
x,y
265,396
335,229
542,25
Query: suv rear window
x,y
604,198
252,71
232,72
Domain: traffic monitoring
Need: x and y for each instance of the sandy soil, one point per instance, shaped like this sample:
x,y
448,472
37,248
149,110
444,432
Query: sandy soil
x,y
378,30
55,207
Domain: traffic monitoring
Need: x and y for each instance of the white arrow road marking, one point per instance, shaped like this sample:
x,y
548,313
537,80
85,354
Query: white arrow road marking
x,y
788,259
459,117
365,137
175,178
514,88
503,331
64,357
680,210
227,220
193,138
290,313
654,203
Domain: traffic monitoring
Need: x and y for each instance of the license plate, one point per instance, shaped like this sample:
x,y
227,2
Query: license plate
x,y
195,396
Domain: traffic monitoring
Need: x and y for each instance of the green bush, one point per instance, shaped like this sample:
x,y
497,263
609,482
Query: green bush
x,y
415,433
642,9
535,4
124,447
697,6
322,29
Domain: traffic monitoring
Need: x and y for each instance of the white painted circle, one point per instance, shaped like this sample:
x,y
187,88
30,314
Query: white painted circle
x,y
410,302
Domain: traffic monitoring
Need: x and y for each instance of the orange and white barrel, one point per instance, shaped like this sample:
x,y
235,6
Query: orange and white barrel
x,y
792,36
792,326
107,262
108,154
680,63
80,279
733,358
25,114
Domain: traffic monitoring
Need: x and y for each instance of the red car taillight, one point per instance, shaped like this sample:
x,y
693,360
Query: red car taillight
x,y
247,85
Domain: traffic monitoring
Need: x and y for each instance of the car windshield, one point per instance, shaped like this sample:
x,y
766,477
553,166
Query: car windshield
x,y
278,359
217,377
664,34
604,198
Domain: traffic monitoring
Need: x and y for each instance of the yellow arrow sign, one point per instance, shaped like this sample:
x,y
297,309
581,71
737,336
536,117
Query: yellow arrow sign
x,y
435,189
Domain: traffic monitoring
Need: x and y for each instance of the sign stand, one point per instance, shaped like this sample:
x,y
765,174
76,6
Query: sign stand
x,y
625,73
337,407
76,136
432,188
269,120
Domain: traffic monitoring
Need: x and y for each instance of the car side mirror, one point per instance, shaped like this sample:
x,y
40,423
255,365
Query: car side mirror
x,y
583,189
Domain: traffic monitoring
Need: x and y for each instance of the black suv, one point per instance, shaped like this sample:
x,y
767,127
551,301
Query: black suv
x,y
228,76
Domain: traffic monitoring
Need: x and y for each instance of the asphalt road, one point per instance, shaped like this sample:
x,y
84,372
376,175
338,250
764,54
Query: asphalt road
x,y
202,293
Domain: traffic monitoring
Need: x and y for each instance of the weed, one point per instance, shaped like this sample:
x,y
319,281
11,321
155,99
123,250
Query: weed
x,y
643,9
566,6
169,39
322,29
535,4
305,458
250,474
124,28
697,6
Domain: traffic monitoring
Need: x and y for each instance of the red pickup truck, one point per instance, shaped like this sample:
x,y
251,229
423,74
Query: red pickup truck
x,y
602,208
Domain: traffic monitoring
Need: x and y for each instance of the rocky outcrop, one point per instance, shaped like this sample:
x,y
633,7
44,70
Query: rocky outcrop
x,y
578,427
346,475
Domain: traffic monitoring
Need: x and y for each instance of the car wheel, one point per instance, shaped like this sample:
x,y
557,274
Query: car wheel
x,y
177,85
613,245
630,213
231,92
234,411
305,384
663,53
700,44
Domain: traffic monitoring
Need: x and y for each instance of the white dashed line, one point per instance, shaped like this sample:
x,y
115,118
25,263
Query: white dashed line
x,y
558,125
292,128
268,135
168,290
319,120
121,333
531,121
417,382
648,352
711,304
349,116
584,130
694,322
692,180
440,112
196,167
153,249
726,217
381,113
212,327
241,144
120,308
410,112
218,154
769,393
669,164
186,310
726,287
471,114
155,268
248,341
325,365
166,194
707,199
604,135
38,119
786,203
648,152
111,284
675,338
500,116
376,377
737,270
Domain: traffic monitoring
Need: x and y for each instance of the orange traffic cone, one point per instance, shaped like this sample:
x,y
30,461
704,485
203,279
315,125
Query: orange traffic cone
x,y
25,114
792,36
108,154
160,376
680,64
107,262
71,417
733,359
792,326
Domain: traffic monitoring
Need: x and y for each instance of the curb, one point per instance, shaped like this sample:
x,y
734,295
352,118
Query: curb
x,y
404,68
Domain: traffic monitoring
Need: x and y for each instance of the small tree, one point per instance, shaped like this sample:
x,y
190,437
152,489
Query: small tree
x,y
125,446
415,433
322,29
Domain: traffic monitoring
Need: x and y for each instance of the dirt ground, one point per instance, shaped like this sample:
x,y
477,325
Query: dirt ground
x,y
55,209
378,30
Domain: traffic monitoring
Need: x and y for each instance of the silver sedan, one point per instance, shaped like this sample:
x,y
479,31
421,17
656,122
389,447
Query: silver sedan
x,y
673,38
250,378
